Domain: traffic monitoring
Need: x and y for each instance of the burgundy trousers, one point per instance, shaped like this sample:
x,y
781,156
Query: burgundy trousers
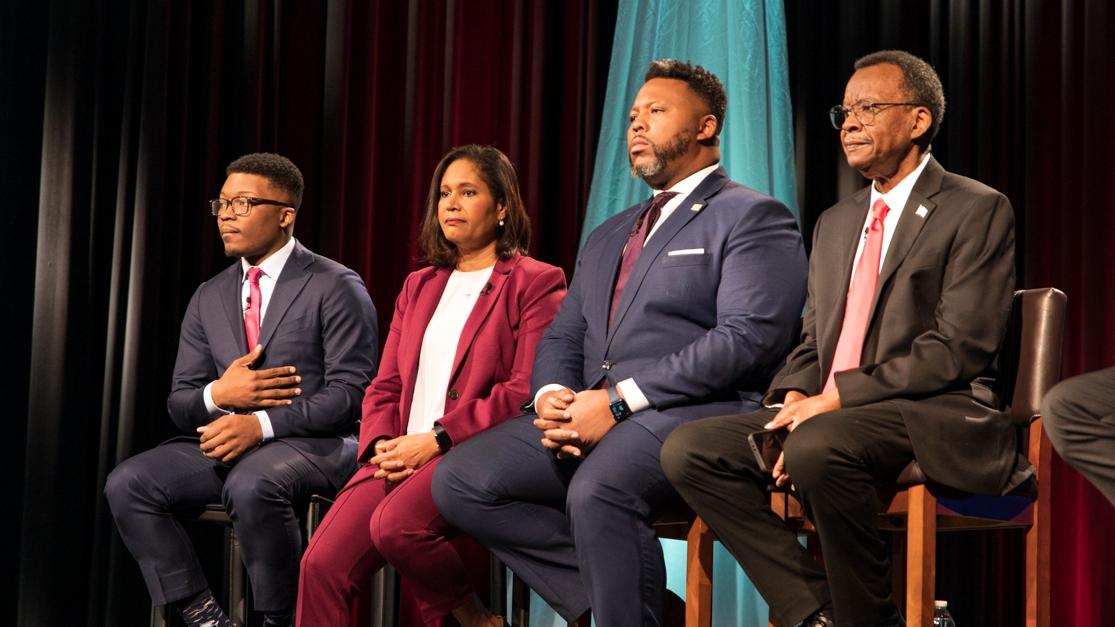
x,y
369,526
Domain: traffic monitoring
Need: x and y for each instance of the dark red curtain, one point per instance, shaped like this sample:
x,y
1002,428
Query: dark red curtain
x,y
1029,90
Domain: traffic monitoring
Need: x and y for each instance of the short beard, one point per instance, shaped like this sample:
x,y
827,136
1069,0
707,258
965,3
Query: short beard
x,y
675,148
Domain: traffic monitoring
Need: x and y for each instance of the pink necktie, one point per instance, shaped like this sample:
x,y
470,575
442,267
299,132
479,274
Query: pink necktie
x,y
849,348
634,247
251,316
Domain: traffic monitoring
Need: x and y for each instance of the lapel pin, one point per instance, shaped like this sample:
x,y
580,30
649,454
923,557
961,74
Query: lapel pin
x,y
697,206
922,211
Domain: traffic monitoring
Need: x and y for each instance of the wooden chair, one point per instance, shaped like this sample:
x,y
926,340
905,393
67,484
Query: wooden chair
x,y
1029,362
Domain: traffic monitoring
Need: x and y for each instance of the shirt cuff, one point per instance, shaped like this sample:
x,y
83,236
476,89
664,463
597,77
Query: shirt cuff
x,y
210,406
265,424
549,387
632,395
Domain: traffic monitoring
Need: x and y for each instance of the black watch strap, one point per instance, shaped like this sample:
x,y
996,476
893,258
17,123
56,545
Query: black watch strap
x,y
618,406
444,442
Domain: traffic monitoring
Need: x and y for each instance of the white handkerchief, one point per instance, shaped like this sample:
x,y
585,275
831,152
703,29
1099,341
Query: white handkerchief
x,y
922,211
686,251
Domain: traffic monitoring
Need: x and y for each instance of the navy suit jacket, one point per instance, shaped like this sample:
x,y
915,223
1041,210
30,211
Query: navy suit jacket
x,y
709,310
319,320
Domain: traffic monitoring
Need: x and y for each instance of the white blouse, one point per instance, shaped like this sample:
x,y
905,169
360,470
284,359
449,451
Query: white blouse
x,y
439,347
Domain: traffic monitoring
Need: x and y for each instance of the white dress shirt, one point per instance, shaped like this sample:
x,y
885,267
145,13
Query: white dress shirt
x,y
270,270
628,389
896,199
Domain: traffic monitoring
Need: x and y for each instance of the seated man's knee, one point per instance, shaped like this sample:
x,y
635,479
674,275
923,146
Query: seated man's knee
x,y
1057,406
458,486
808,453
252,495
681,453
588,494
124,485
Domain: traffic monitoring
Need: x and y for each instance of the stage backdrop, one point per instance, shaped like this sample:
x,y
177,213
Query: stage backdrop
x,y
117,118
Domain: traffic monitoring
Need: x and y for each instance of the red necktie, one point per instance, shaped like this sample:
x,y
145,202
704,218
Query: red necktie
x,y
251,315
849,348
634,247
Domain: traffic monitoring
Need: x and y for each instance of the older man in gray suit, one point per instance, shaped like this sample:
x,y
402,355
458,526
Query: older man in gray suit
x,y
910,284
273,359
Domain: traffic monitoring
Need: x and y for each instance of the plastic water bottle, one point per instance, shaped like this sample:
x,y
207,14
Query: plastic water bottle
x,y
941,616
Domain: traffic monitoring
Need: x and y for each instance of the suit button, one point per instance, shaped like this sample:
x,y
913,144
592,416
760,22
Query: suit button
x,y
454,395
607,365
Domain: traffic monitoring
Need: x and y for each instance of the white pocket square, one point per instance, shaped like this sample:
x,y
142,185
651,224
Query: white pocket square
x,y
686,251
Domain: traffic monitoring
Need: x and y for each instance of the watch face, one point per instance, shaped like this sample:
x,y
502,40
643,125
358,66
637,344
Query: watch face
x,y
620,409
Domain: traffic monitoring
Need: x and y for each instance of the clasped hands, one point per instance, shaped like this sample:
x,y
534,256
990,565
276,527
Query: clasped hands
x,y
796,409
399,458
242,388
572,423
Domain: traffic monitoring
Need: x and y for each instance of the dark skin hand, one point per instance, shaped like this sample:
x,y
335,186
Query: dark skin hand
x,y
796,409
572,424
400,457
229,437
243,388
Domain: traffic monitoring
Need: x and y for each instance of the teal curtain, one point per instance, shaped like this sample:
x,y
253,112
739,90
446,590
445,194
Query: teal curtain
x,y
743,42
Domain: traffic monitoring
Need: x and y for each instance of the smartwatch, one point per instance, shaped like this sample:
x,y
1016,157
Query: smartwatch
x,y
618,406
444,442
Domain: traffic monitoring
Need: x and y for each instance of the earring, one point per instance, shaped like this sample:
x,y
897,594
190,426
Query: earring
x,y
501,221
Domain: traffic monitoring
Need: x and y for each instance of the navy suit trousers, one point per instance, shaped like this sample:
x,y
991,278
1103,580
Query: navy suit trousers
x,y
578,531
147,492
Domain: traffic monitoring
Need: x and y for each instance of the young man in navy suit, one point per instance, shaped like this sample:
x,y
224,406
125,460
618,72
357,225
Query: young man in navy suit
x,y
273,359
681,308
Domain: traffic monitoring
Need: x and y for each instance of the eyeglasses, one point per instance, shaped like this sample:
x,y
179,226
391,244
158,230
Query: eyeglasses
x,y
865,112
241,205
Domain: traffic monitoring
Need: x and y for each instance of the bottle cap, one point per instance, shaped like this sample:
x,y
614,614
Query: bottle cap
x,y
940,604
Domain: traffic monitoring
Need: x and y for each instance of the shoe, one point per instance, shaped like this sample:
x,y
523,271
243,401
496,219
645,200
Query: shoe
x,y
820,618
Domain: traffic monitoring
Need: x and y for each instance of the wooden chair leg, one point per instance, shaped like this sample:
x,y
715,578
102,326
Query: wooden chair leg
x,y
1038,536
921,557
698,579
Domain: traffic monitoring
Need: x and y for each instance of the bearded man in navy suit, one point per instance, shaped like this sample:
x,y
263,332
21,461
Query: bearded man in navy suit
x,y
681,308
273,359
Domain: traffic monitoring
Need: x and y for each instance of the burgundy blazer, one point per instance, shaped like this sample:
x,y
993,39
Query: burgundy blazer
x,y
491,370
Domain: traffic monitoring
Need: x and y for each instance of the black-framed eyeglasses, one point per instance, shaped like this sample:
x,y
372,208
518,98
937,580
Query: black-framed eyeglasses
x,y
865,112
241,205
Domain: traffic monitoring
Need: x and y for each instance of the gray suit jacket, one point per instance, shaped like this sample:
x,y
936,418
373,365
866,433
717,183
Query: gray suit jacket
x,y
939,314
320,320
709,309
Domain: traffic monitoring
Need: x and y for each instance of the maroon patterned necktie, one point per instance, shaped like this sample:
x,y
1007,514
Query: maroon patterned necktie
x,y
251,316
634,247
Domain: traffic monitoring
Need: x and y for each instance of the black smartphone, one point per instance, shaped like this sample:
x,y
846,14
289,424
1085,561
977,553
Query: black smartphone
x,y
767,446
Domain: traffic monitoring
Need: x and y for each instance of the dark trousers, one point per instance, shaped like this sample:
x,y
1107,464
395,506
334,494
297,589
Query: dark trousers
x,y
577,531
1079,416
835,460
147,492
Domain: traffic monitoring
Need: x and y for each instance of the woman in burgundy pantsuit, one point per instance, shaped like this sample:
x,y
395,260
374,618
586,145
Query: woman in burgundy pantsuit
x,y
457,361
